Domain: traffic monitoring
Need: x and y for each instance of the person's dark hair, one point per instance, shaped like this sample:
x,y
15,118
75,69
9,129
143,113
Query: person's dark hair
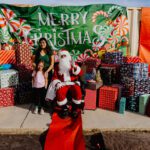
x,y
36,68
48,50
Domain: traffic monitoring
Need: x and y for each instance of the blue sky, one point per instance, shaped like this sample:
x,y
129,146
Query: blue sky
x,y
128,3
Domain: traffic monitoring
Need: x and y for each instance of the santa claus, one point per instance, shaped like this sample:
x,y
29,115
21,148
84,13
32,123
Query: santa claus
x,y
65,79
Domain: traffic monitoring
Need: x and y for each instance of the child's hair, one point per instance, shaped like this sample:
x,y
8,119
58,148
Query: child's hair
x,y
36,68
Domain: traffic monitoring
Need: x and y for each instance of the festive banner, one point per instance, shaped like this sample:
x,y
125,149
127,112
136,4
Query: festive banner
x,y
144,50
76,28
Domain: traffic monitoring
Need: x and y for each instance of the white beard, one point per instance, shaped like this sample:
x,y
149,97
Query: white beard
x,y
64,65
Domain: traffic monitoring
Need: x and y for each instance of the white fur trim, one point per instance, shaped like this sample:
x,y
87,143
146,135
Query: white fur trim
x,y
78,83
55,82
64,52
62,102
76,101
78,69
82,100
50,95
66,76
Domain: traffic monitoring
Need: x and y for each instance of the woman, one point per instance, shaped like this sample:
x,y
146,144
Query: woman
x,y
44,53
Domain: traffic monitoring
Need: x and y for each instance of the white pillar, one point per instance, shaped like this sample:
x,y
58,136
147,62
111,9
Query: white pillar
x,y
129,14
135,32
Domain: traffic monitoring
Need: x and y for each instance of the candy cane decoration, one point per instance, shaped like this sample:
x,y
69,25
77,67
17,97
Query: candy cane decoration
x,y
125,38
95,55
82,58
97,14
97,45
75,54
7,19
121,25
24,29
113,40
111,9
88,50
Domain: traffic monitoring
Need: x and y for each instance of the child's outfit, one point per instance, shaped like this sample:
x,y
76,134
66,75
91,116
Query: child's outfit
x,y
38,85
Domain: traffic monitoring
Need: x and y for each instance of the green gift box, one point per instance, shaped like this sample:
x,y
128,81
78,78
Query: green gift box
x,y
143,100
122,105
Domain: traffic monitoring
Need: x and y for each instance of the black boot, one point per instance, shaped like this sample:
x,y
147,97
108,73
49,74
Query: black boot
x,y
75,110
64,112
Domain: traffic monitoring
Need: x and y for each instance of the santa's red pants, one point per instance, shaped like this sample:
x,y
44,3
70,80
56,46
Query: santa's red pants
x,y
75,93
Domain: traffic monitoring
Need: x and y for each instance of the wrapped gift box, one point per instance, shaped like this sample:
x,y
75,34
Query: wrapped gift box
x,y
143,101
92,63
93,85
113,57
132,70
23,54
128,86
8,78
7,57
144,70
132,59
116,66
6,97
122,105
108,75
135,87
142,86
148,108
120,88
107,97
133,103
90,99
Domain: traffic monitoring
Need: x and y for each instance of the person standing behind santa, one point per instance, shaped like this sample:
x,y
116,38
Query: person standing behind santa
x,y
65,79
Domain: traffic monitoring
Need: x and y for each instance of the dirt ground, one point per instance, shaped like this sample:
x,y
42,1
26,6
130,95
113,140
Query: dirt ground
x,y
114,140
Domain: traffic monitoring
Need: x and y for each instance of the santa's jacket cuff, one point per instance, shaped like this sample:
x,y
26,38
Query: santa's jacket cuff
x,y
55,82
78,69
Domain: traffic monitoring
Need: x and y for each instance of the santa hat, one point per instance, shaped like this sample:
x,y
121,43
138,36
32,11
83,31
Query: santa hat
x,y
64,52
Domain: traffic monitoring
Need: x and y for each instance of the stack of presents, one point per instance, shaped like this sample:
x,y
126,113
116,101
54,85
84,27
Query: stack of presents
x,y
15,75
115,83
123,84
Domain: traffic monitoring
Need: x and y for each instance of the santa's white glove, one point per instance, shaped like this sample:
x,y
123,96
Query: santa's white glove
x,y
59,85
73,64
77,82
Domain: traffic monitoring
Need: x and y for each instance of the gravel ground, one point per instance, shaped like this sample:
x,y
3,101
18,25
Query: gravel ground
x,y
114,140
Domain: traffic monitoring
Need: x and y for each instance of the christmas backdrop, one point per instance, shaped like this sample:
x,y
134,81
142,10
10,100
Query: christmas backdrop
x,y
79,29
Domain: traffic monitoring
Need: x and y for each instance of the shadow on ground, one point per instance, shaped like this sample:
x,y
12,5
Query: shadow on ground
x,y
114,140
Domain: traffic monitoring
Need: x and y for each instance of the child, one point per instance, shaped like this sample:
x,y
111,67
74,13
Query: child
x,y
39,83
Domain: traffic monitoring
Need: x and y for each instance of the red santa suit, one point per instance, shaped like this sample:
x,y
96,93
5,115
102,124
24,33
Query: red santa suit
x,y
67,81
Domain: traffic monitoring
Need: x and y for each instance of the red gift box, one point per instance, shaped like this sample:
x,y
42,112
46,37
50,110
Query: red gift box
x,y
7,57
90,99
107,97
132,59
23,54
92,63
7,97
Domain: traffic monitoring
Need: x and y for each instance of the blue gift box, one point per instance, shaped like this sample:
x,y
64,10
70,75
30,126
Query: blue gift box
x,y
113,57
